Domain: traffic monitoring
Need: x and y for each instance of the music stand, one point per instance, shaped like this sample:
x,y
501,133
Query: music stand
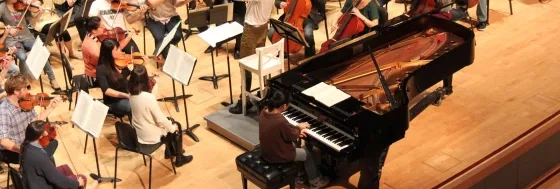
x,y
36,56
198,21
217,15
55,32
180,69
288,32
165,43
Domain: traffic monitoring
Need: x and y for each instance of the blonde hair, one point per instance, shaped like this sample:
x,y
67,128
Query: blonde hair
x,y
15,82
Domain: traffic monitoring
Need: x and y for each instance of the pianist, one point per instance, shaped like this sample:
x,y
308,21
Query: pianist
x,y
276,135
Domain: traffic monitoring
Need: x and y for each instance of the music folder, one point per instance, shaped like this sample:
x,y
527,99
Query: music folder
x,y
166,40
89,114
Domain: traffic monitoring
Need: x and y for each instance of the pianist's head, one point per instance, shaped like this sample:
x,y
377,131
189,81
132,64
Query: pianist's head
x,y
278,100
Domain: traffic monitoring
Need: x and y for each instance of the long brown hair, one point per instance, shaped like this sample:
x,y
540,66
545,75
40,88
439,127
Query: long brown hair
x,y
139,80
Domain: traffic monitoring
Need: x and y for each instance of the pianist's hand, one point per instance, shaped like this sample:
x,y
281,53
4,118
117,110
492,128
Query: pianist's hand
x,y
302,133
303,125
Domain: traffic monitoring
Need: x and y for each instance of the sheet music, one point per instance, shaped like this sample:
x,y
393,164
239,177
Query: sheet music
x,y
37,58
167,39
326,94
97,118
214,35
181,67
79,116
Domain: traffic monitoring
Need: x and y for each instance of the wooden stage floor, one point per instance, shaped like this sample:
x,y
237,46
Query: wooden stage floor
x,y
509,88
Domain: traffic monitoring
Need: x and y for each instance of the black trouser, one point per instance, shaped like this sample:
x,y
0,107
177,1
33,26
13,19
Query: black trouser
x,y
307,32
371,163
76,16
159,30
131,45
65,35
8,156
173,143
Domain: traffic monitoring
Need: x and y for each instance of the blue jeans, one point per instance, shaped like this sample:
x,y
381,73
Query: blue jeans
x,y
12,69
159,30
122,107
20,54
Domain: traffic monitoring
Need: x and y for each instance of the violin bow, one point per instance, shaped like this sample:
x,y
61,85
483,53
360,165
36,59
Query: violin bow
x,y
115,20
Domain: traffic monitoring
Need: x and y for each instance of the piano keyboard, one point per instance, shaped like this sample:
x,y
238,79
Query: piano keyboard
x,y
323,132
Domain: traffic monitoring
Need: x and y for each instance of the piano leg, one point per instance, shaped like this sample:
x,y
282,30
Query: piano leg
x,y
448,85
371,164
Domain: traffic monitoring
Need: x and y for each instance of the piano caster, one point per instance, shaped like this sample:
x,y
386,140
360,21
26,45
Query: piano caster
x,y
439,101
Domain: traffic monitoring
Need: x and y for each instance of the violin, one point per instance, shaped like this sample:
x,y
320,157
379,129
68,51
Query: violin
x,y
348,25
135,58
45,140
297,12
20,5
123,5
40,99
116,33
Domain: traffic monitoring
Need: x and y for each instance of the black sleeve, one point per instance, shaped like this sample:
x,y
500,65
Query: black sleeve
x,y
102,78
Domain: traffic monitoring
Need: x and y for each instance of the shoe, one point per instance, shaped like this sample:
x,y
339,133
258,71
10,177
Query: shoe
x,y
57,89
237,108
236,55
481,26
209,49
167,156
182,160
321,184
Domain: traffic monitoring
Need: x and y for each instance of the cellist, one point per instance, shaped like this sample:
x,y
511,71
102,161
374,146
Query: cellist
x,y
366,11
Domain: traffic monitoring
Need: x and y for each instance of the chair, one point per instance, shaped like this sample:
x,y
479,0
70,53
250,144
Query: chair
x,y
264,62
128,140
16,178
263,174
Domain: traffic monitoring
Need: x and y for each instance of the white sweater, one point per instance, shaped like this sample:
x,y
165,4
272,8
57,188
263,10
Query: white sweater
x,y
148,119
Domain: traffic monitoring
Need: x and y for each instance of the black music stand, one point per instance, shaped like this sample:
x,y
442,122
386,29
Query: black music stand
x,y
288,32
189,130
217,15
97,176
174,98
198,22
55,32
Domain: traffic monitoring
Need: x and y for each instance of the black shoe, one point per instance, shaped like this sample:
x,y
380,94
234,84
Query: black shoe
x,y
236,55
58,91
209,49
481,26
315,27
237,109
167,156
182,160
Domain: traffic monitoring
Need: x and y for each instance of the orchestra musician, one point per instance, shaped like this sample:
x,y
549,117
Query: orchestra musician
x,y
22,37
37,169
113,79
308,27
13,120
91,47
162,19
152,126
43,26
366,11
460,12
276,137
113,19
254,34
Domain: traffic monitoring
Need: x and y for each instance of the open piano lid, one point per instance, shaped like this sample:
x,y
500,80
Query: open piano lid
x,y
299,79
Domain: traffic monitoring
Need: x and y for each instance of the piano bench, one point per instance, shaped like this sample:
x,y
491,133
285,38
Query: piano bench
x,y
263,174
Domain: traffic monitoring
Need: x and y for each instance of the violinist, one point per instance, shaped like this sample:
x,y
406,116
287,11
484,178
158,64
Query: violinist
x,y
254,34
8,66
366,11
44,24
13,120
113,79
91,47
22,37
162,19
113,20
37,170
308,27
151,125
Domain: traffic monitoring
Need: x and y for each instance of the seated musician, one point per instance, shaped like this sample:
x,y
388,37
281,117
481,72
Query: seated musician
x,y
113,19
366,11
162,19
152,126
8,66
308,26
458,13
13,120
37,169
276,137
113,79
254,34
91,47
43,26
22,37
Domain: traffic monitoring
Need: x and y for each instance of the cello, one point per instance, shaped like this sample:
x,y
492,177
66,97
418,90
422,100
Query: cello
x,y
297,12
348,25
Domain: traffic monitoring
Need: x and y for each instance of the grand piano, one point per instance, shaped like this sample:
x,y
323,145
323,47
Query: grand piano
x,y
412,55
